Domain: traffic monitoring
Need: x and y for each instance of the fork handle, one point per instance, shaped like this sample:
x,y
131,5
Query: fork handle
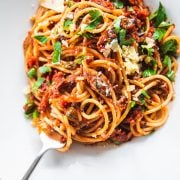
x,y
34,164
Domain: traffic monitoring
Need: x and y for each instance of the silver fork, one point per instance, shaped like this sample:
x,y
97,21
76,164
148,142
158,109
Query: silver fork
x,y
48,144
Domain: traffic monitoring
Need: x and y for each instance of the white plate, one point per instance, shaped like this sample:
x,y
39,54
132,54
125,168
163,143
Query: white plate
x,y
153,157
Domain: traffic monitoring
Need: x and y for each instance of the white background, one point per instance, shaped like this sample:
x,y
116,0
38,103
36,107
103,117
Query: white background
x,y
152,157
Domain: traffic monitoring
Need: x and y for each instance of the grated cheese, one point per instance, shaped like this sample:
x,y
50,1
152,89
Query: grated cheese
x,y
131,58
150,43
135,99
70,15
129,53
56,5
65,43
131,68
113,45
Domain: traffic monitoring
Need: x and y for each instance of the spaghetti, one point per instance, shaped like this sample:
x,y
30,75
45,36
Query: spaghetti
x,y
99,70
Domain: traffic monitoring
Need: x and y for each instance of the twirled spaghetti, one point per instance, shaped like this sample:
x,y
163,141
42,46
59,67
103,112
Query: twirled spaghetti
x,y
100,70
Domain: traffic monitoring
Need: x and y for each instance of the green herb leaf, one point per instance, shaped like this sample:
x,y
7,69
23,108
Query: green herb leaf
x,y
42,39
32,73
28,116
116,142
29,108
148,47
153,15
122,40
159,34
35,114
44,69
128,42
79,59
92,25
87,35
37,84
70,3
164,24
118,4
150,51
122,34
171,75
145,94
142,100
57,53
169,47
96,20
150,61
130,8
94,14
161,15
167,62
154,63
149,72
117,24
67,24
132,105
147,50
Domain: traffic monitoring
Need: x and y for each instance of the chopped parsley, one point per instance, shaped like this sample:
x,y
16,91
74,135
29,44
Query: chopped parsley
x,y
57,53
42,39
164,24
145,94
171,75
29,107
118,4
159,34
32,73
87,35
161,15
130,8
161,25
147,50
35,114
70,3
94,14
132,105
79,59
96,19
37,84
123,40
153,15
148,72
44,69
67,24
167,62
117,24
169,47
153,62
150,51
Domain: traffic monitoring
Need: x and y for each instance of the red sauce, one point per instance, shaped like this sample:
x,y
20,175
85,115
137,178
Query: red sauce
x,y
104,3
31,62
